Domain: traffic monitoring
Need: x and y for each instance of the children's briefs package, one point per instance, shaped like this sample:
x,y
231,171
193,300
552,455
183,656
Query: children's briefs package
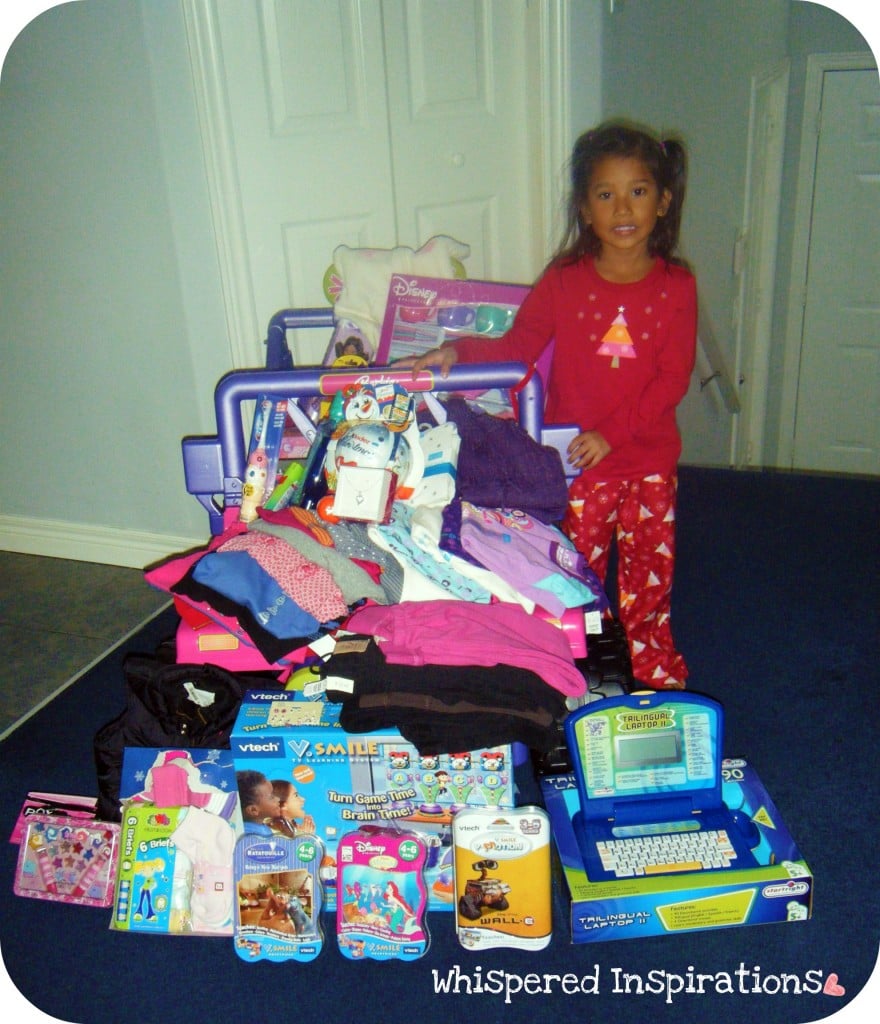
x,y
344,781
779,888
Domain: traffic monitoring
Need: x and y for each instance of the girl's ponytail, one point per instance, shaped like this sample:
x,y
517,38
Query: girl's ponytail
x,y
672,168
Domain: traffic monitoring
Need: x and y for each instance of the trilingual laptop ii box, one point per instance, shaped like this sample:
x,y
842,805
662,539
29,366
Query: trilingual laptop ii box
x,y
780,888
348,781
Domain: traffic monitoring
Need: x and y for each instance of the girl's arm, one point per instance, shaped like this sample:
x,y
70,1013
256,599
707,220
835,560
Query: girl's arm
x,y
523,343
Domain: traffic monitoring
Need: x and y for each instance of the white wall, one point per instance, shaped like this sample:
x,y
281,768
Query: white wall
x,y
686,69
110,321
812,28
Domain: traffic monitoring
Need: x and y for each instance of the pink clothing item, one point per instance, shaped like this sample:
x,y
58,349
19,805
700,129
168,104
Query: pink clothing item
x,y
209,842
171,788
465,633
622,359
311,587
164,575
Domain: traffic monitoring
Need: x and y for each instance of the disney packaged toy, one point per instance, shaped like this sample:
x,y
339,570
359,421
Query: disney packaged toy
x,y
279,898
382,900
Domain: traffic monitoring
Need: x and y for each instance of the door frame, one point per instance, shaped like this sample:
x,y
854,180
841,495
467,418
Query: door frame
x,y
224,187
817,66
755,256
548,67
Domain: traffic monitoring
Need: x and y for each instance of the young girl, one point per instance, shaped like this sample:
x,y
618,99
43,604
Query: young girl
x,y
293,820
621,311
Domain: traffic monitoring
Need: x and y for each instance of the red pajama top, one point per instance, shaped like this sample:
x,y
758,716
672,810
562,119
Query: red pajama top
x,y
622,358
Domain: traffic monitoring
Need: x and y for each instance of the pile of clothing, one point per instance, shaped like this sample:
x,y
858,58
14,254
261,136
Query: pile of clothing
x,y
441,615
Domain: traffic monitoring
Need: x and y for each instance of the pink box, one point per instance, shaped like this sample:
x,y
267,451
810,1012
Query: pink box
x,y
422,312
573,625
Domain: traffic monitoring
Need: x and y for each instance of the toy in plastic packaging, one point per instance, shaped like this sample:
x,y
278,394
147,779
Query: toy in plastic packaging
x,y
381,897
263,453
440,447
68,860
80,809
502,878
377,436
278,898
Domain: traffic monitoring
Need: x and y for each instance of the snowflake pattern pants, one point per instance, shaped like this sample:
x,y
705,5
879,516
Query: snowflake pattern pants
x,y
642,513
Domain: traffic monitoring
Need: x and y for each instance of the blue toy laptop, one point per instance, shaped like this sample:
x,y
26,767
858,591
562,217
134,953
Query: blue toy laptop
x,y
648,772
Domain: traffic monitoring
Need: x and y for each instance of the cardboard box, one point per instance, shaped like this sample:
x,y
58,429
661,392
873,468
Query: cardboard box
x,y
779,890
377,778
364,493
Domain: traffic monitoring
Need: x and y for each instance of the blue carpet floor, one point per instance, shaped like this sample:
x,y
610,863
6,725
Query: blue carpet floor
x,y
776,609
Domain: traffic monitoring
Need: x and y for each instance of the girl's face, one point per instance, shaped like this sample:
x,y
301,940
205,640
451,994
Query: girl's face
x,y
293,805
622,205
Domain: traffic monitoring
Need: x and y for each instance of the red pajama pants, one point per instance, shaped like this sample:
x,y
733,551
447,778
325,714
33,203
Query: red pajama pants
x,y
642,513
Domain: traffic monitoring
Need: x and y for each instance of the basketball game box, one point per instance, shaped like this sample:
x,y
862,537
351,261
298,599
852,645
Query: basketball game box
x,y
347,781
776,886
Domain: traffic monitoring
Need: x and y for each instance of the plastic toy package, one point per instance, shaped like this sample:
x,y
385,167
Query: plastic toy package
x,y
68,860
422,312
382,899
263,451
278,898
502,878
80,809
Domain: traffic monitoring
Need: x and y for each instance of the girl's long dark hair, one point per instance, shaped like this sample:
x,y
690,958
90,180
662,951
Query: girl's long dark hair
x,y
665,160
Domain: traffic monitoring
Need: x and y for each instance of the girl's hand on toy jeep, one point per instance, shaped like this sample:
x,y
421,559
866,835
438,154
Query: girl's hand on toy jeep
x,y
588,449
444,357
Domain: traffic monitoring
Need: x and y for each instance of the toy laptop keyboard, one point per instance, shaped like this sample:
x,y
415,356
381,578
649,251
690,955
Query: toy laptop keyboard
x,y
648,773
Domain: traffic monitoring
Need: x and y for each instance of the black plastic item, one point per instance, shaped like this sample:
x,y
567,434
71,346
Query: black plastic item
x,y
607,670
313,486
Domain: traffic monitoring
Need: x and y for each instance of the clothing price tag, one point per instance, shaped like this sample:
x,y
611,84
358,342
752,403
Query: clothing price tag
x,y
203,698
340,683
593,623
324,645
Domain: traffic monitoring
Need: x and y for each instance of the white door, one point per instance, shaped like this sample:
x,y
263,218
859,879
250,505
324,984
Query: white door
x,y
837,421
457,100
360,123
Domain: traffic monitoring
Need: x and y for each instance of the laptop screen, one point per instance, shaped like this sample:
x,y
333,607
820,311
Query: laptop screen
x,y
648,749
645,747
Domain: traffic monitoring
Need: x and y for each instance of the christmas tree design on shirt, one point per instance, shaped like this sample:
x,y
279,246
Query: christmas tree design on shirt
x,y
617,342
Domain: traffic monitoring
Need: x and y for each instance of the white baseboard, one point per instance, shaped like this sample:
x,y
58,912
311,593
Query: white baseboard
x,y
103,544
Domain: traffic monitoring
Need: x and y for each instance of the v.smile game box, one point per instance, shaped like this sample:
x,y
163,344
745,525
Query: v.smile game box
x,y
346,780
